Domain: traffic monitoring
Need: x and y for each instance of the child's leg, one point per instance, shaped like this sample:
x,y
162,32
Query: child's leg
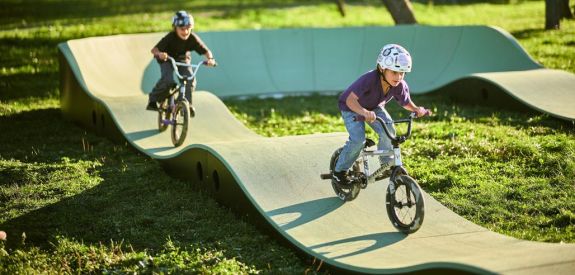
x,y
384,143
190,88
354,144
164,84
186,71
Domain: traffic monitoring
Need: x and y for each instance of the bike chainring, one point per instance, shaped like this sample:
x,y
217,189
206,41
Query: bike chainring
x,y
359,179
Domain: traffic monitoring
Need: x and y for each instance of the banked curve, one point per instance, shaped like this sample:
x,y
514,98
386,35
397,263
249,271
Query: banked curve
x,y
104,82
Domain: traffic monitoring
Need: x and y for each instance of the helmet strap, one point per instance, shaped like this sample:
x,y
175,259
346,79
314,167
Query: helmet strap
x,y
380,72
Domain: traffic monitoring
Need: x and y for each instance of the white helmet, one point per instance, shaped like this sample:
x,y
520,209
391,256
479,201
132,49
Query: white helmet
x,y
395,58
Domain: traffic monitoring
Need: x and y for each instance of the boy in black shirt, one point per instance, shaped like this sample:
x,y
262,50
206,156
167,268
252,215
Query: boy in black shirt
x,y
177,44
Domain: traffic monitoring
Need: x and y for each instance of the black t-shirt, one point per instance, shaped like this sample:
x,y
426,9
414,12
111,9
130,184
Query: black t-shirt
x,y
177,48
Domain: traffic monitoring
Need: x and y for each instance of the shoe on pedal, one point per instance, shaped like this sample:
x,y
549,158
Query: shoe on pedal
x,y
341,177
152,106
192,111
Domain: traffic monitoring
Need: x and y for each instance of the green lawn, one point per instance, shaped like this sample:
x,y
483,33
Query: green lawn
x,y
87,204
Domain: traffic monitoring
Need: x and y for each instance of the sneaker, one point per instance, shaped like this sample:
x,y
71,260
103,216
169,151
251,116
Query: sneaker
x,y
341,177
152,106
192,111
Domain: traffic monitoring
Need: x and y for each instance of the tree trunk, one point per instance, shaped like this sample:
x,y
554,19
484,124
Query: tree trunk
x,y
555,10
400,11
552,14
341,7
564,10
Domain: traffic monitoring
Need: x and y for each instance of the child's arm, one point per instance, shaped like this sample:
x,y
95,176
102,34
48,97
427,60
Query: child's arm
x,y
211,61
420,111
352,101
159,54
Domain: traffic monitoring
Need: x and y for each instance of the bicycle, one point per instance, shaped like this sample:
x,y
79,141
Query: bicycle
x,y
175,109
404,199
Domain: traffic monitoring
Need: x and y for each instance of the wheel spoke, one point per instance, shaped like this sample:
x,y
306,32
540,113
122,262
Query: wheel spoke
x,y
404,204
407,212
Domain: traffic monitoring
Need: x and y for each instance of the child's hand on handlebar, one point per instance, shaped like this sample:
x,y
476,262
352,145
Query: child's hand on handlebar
x,y
421,111
162,56
369,116
210,62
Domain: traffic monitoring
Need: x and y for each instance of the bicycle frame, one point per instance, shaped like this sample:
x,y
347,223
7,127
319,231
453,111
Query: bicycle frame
x,y
185,79
397,165
180,87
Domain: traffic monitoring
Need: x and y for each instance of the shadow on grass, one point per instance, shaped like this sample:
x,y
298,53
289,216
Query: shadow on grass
x,y
30,69
528,33
125,197
134,201
142,209
130,198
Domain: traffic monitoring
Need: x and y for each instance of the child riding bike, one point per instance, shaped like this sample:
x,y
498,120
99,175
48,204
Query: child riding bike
x,y
367,97
177,44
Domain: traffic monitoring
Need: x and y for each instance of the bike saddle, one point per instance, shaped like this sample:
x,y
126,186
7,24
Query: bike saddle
x,y
368,143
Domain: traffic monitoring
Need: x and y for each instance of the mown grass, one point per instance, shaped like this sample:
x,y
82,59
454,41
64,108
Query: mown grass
x,y
86,204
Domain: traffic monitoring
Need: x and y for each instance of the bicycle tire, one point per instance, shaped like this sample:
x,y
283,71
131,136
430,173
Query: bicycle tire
x,y
181,123
345,193
164,115
405,214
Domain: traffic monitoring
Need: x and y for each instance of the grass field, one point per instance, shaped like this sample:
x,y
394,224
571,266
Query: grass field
x,y
73,202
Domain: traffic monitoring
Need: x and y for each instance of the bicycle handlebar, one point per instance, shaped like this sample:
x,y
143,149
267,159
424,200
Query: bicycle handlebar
x,y
394,138
195,67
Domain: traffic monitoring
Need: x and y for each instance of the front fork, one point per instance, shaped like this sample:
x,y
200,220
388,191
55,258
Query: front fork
x,y
169,110
398,171
394,171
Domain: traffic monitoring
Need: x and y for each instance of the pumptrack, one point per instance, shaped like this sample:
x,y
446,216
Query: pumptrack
x,y
104,86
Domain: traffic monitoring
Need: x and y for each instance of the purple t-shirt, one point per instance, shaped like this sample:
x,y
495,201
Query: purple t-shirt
x,y
370,93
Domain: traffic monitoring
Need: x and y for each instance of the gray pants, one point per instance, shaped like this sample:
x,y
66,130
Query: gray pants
x,y
166,81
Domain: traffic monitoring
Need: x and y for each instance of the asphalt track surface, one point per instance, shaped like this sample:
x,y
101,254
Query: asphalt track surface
x,y
104,82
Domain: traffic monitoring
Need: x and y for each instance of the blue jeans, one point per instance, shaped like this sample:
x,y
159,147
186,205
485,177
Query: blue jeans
x,y
166,81
356,141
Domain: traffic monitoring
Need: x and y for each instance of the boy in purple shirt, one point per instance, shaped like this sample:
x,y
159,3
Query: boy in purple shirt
x,y
177,44
367,97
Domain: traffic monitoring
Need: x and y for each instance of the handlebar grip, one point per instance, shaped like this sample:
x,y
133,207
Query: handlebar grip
x,y
206,63
358,118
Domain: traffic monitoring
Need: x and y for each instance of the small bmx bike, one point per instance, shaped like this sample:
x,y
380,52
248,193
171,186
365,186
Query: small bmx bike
x,y
404,199
175,109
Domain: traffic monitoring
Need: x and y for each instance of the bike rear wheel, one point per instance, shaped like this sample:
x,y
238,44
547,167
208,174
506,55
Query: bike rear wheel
x,y
344,192
181,121
405,204
164,115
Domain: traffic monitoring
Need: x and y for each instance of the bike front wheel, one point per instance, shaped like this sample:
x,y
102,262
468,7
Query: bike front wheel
x,y
181,121
344,192
405,204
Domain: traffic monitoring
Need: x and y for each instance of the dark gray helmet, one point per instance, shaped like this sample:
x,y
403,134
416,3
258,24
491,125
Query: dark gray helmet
x,y
182,18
